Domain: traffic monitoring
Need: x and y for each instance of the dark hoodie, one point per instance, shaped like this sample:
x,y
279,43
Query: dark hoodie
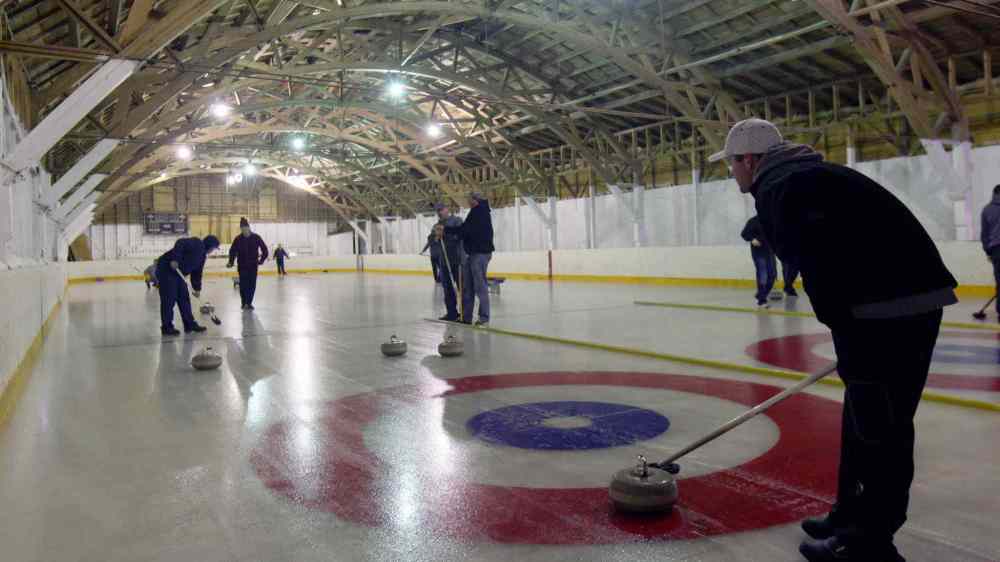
x,y
862,253
990,231
476,232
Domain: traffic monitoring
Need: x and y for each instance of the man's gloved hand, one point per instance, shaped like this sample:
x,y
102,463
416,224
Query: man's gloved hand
x,y
197,294
174,265
755,243
230,264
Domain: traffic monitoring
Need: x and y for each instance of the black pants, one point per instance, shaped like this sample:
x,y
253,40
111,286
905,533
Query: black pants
x,y
437,268
248,285
995,254
766,267
450,291
173,290
884,364
281,267
789,273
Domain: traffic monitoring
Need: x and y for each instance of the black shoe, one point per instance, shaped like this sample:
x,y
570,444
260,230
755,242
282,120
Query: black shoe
x,y
249,307
447,318
243,306
169,331
469,322
791,293
835,550
826,526
197,329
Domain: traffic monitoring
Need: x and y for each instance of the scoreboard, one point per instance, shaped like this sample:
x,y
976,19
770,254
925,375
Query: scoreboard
x,y
166,223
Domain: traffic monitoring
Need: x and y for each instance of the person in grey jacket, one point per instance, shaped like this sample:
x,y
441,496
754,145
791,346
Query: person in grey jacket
x,y
450,261
989,233
435,248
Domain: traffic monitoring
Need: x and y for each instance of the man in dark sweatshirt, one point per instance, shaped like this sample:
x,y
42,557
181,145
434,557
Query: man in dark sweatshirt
x,y
476,234
764,264
450,256
831,222
989,233
249,251
187,257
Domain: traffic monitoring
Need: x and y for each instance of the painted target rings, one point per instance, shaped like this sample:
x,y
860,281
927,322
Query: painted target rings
x,y
324,464
798,352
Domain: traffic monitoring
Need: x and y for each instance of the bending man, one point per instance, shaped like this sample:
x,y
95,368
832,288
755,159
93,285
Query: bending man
x,y
187,257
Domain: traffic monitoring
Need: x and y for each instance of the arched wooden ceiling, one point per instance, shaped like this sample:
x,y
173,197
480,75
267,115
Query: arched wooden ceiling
x,y
520,89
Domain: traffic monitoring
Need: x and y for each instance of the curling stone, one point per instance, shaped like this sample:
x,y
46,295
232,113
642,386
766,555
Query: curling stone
x,y
642,489
206,360
451,347
394,347
207,308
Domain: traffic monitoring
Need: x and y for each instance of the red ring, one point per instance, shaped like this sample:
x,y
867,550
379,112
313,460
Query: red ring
x,y
796,352
792,480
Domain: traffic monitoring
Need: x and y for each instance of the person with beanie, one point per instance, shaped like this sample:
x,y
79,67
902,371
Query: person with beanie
x,y
187,257
249,251
831,222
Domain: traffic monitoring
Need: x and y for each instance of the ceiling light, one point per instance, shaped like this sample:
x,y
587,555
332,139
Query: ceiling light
x,y
249,170
298,143
396,89
434,130
208,84
184,152
220,110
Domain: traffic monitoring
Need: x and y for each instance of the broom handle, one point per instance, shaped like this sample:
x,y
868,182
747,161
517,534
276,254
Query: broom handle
x,y
988,303
751,413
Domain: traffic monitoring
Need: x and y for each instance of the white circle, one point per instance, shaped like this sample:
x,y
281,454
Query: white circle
x,y
430,436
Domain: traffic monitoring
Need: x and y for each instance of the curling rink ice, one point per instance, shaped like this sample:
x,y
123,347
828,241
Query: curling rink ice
x,y
308,444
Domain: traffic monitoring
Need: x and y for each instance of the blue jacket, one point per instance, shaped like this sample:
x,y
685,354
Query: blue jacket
x,y
990,231
189,253
477,230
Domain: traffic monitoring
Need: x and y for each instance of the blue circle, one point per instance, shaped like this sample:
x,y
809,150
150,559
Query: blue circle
x,y
974,354
610,425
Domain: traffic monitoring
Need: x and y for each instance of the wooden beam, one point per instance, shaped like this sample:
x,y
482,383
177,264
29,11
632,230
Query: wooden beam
x,y
138,15
96,30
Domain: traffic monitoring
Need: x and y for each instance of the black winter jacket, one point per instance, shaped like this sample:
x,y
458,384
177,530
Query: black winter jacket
x,y
477,230
248,251
862,253
754,231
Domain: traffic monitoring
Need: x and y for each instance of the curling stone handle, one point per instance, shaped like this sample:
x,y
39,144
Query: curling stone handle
x,y
746,416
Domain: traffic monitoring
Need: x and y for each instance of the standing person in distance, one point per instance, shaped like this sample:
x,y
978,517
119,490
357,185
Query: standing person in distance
x,y
279,258
832,221
476,234
432,244
250,252
764,264
455,257
989,233
187,257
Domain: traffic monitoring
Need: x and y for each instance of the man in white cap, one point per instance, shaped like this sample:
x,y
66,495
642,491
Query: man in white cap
x,y
833,222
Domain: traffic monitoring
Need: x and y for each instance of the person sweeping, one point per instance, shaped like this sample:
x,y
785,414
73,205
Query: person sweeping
x,y
187,257
831,221
250,252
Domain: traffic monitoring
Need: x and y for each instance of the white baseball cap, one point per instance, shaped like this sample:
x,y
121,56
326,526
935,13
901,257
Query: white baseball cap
x,y
750,136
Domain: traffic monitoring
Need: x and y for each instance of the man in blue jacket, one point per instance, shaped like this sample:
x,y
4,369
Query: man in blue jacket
x,y
990,235
832,222
476,234
249,250
187,257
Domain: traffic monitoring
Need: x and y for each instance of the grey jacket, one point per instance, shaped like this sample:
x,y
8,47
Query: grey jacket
x,y
989,232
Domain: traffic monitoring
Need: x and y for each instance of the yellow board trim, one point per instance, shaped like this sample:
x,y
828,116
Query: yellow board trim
x,y
722,365
962,290
795,314
19,379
